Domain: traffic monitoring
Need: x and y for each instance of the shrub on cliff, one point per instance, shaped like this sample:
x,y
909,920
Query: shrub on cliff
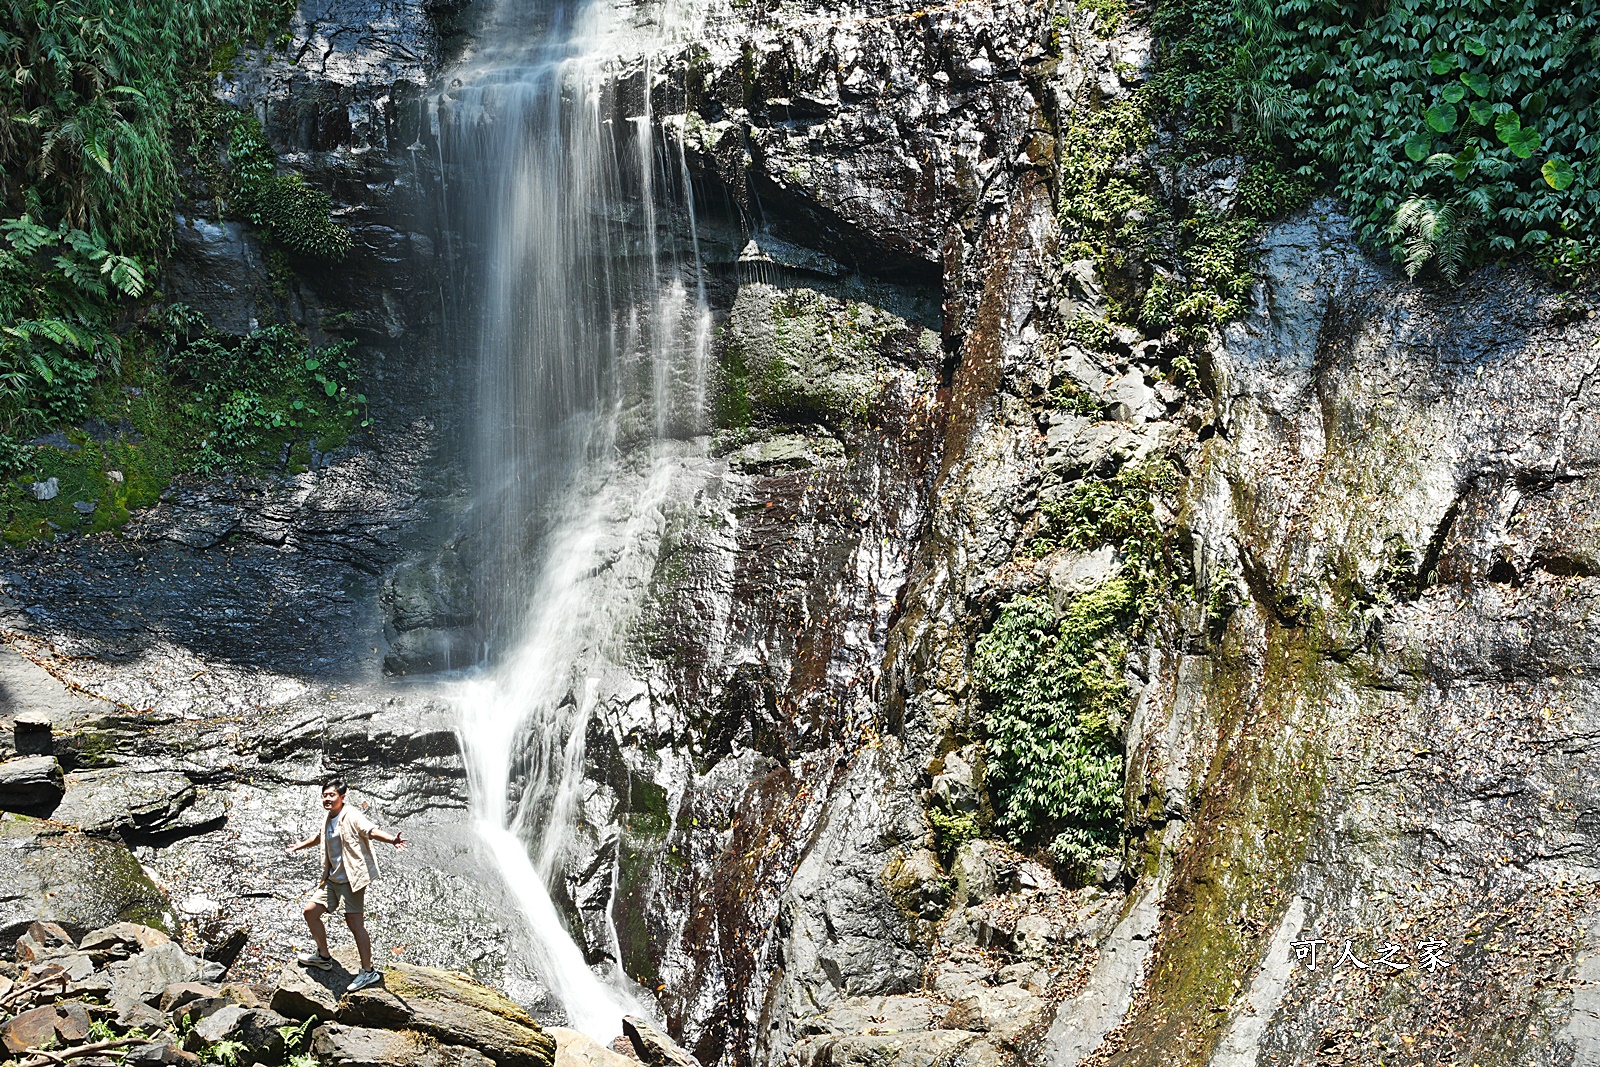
x,y
1456,131
97,103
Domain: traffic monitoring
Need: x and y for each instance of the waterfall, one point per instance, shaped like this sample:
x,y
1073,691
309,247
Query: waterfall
x,y
587,320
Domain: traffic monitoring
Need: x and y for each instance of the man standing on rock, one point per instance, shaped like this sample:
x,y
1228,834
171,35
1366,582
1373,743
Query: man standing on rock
x,y
348,867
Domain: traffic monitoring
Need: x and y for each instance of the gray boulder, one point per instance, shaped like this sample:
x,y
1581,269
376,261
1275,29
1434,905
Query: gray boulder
x,y
302,992
32,731
31,785
120,940
147,976
121,800
78,881
178,994
982,869
159,1054
255,1028
1008,1011
860,1015
358,1046
654,1047
457,1011
580,1050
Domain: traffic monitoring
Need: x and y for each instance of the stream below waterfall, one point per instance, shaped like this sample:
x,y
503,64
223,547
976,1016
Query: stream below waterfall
x,y
587,323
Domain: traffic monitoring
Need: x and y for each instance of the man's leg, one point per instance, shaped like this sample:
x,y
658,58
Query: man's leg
x,y
314,912
358,929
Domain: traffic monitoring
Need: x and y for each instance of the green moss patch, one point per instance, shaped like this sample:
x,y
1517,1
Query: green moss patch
x,y
1253,827
798,357
212,405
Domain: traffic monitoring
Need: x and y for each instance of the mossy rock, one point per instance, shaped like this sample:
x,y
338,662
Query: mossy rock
x,y
454,1009
799,356
83,883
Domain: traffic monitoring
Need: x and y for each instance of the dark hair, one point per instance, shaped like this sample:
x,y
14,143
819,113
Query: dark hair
x,y
335,784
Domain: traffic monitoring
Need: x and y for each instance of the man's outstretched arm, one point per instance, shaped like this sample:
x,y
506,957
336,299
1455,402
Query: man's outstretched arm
x,y
310,842
394,839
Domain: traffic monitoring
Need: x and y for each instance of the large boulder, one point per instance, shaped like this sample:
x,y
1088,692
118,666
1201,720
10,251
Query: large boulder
x,y
652,1046
580,1050
148,975
454,1009
78,881
359,1046
125,801
302,992
31,785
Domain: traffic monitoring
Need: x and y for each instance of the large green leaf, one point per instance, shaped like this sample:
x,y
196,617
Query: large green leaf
x,y
1522,141
1442,118
1557,173
1418,146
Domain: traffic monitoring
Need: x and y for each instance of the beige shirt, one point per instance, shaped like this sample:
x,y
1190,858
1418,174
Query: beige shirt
x,y
355,841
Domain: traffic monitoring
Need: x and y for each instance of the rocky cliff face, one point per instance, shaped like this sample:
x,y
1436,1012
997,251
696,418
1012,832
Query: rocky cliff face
x,y
1357,757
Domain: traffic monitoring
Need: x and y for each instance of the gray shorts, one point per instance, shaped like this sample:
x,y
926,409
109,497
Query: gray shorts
x,y
336,896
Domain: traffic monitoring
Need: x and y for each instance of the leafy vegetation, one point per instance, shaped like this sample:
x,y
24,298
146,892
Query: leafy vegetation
x,y
228,152
951,830
225,1053
106,119
1056,690
1115,511
1174,263
208,405
1053,683
1456,131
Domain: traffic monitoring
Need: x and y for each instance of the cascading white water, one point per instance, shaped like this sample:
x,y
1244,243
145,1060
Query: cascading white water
x,y
590,333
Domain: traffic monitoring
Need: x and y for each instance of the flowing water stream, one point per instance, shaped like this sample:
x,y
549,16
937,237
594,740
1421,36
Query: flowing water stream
x,y
583,309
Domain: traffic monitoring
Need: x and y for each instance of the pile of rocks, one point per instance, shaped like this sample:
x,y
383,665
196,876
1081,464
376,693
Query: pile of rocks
x,y
129,994
1013,950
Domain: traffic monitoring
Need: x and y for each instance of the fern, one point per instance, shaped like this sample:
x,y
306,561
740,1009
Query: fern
x,y
225,1052
1430,231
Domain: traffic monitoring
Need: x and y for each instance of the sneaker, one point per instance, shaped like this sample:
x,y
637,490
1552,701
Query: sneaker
x,y
364,979
311,959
